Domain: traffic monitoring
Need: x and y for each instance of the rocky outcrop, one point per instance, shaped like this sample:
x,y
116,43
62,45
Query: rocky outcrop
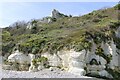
x,y
86,62
45,20
56,14
29,26
20,60
118,32
102,62
115,56
71,61
54,60
79,63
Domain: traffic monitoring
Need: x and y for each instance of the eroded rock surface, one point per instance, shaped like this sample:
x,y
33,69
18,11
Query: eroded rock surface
x,y
78,63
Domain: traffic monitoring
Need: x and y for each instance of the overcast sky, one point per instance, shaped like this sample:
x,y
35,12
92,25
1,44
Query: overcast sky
x,y
11,12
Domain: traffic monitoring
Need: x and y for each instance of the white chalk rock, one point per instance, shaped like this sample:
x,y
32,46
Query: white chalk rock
x,y
78,55
102,60
53,60
106,48
54,69
77,64
32,68
77,71
19,57
7,67
40,67
115,56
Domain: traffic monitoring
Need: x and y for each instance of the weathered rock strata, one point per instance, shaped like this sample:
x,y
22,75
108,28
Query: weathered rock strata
x,y
79,63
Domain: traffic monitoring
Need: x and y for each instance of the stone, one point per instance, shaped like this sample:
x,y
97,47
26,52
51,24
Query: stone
x,y
45,20
115,56
78,55
77,71
106,48
53,60
77,62
7,67
19,58
104,73
40,67
33,68
118,32
23,67
94,73
22,59
56,14
53,68
29,26
65,58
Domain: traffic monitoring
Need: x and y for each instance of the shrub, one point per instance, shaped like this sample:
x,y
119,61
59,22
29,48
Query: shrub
x,y
42,59
34,61
99,51
54,19
114,73
117,6
35,50
34,30
96,20
114,24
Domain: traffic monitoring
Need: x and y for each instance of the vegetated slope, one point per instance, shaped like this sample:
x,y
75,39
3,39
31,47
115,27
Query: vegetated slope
x,y
66,32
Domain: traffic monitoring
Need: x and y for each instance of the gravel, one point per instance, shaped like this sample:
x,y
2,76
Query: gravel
x,y
46,73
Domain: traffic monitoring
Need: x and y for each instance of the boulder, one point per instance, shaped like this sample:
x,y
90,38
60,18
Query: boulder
x,y
104,73
19,58
77,71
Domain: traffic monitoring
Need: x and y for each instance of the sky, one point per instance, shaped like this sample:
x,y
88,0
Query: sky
x,y
11,12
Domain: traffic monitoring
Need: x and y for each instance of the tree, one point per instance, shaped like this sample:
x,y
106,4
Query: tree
x,y
70,15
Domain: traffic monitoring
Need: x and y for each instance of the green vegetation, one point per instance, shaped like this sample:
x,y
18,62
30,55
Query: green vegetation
x,y
64,33
42,60
117,6
115,73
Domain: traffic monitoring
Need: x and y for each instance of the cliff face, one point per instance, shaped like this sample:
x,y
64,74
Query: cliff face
x,y
95,61
87,62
